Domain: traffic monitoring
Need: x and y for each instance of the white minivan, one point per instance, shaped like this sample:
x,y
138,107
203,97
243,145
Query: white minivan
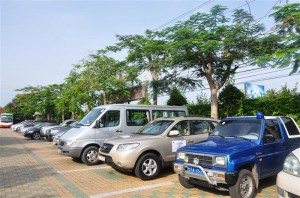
x,y
107,121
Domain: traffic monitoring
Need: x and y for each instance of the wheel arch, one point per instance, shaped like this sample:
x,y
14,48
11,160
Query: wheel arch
x,y
88,145
254,169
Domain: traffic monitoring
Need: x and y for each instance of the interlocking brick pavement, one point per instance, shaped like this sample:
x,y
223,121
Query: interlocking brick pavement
x,y
31,168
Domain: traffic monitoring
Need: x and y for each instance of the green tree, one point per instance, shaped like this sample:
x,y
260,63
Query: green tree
x,y
280,48
176,98
230,100
212,46
147,53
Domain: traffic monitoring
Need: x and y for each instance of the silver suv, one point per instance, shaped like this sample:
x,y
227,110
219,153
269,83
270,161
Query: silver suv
x,y
154,146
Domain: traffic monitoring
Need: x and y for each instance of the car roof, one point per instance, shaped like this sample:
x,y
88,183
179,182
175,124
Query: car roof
x,y
188,118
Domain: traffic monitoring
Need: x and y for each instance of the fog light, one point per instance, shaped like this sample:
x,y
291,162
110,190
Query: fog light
x,y
219,175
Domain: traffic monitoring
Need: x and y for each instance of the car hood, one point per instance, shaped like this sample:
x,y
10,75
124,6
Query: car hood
x,y
133,138
219,145
74,132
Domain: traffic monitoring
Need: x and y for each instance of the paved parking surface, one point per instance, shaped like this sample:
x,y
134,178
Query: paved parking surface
x,y
30,168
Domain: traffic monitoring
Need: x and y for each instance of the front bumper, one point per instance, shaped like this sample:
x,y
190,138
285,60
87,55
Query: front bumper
x,y
287,185
74,152
28,135
213,177
124,160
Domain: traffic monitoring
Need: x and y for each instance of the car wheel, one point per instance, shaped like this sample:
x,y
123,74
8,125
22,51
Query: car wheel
x,y
90,156
36,136
148,166
185,182
49,138
244,187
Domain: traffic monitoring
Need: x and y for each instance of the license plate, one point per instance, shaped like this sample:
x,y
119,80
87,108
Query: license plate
x,y
101,158
194,170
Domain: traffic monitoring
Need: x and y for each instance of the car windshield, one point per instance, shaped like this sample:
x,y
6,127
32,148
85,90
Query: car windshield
x,y
90,117
247,129
74,123
155,128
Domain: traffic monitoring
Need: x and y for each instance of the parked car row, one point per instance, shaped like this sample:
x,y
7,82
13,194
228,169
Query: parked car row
x,y
232,154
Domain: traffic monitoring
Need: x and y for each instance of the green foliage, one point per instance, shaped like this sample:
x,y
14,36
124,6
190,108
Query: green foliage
x,y
281,47
145,101
200,108
210,45
176,98
230,99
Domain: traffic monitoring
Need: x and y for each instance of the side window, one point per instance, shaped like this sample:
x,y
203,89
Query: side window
x,y
273,128
111,118
292,129
182,127
166,114
136,117
200,127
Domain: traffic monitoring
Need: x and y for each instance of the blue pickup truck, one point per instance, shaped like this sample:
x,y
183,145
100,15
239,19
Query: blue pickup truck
x,y
238,153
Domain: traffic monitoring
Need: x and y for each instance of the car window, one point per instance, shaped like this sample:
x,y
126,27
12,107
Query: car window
x,y
290,126
182,127
200,127
273,128
136,117
111,118
167,114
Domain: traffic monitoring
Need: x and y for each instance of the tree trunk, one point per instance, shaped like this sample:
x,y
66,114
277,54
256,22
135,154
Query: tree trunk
x,y
214,103
63,116
73,114
104,98
154,75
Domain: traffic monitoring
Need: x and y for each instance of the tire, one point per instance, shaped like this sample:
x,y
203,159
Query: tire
x,y
148,166
90,156
248,190
185,182
36,136
49,138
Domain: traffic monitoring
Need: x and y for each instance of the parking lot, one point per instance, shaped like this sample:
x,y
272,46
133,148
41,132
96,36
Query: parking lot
x,y
30,168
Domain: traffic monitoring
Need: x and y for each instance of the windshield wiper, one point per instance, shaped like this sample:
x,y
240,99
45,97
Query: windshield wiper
x,y
234,136
218,136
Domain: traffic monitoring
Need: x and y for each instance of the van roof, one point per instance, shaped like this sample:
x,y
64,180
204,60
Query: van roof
x,y
141,106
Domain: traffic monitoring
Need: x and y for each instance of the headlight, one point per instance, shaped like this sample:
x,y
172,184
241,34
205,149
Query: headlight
x,y
221,161
124,147
180,156
29,131
292,165
71,142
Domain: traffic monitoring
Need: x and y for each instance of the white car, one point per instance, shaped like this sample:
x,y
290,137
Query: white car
x,y
288,180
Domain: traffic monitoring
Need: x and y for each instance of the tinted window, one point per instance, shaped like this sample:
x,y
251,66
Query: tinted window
x,y
290,126
200,126
111,119
182,127
137,117
167,114
273,128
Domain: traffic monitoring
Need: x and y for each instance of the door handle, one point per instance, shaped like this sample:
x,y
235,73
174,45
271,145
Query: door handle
x,y
119,131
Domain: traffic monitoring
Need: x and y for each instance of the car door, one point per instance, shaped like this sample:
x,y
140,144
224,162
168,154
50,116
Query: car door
x,y
175,142
273,150
110,125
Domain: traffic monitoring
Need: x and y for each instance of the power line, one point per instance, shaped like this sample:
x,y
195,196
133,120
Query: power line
x,y
184,14
261,18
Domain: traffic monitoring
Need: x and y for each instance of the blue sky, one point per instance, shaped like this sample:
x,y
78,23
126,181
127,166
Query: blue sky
x,y
41,40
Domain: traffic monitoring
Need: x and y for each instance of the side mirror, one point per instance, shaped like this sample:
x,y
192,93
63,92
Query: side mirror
x,y
174,133
98,124
269,138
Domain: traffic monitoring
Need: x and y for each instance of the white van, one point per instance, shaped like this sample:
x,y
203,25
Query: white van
x,y
109,121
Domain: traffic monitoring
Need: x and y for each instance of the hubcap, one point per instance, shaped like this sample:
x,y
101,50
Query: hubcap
x,y
36,136
246,186
92,156
149,167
